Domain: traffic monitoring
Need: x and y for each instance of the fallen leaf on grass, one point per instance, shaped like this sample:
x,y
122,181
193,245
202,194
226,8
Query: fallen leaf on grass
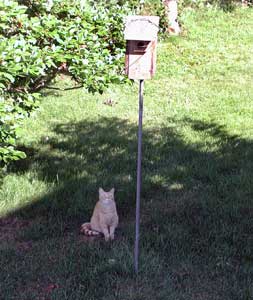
x,y
51,287
110,102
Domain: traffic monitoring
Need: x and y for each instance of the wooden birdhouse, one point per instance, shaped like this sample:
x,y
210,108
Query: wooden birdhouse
x,y
141,35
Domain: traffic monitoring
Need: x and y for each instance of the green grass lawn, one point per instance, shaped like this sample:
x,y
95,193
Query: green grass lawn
x,y
197,196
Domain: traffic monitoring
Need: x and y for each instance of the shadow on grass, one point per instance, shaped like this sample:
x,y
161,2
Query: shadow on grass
x,y
87,155
196,204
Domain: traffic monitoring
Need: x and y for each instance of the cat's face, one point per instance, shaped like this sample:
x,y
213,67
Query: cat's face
x,y
106,196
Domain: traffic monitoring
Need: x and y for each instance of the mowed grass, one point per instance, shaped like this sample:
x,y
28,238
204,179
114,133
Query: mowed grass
x,y
197,195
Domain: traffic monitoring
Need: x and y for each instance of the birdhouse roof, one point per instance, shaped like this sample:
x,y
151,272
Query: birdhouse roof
x,y
141,28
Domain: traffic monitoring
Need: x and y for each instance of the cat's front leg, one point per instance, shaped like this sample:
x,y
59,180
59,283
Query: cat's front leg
x,y
114,226
112,230
106,233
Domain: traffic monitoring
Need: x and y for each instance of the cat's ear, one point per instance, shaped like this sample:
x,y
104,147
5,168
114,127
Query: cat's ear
x,y
112,191
101,191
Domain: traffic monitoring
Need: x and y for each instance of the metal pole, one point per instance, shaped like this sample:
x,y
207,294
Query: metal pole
x,y
138,192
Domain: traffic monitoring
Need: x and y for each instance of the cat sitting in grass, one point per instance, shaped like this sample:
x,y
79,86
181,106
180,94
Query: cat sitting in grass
x,y
105,218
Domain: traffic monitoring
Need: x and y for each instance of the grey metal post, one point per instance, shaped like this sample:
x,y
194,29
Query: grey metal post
x,y
138,191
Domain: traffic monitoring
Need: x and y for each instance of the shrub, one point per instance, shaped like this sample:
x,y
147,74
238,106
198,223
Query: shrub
x,y
38,41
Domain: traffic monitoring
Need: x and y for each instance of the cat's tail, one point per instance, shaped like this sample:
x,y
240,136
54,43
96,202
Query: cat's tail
x,y
87,230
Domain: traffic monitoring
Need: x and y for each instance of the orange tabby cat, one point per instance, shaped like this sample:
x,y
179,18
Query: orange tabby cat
x,y
105,218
